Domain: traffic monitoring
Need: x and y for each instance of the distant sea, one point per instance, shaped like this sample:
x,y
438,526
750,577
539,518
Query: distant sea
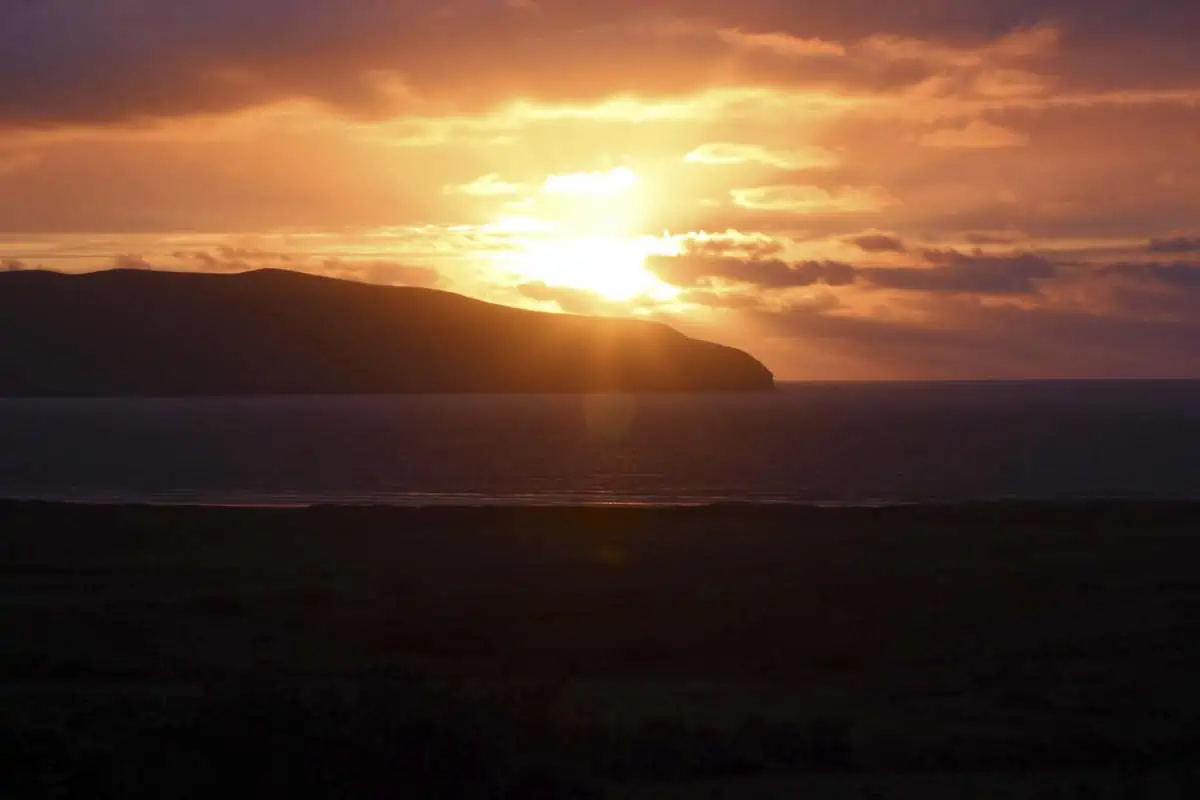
x,y
853,444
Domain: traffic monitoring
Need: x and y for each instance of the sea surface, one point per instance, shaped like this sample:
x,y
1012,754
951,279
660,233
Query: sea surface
x,y
852,444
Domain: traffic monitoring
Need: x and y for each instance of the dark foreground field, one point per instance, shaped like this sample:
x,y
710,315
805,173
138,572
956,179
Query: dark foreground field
x,y
985,651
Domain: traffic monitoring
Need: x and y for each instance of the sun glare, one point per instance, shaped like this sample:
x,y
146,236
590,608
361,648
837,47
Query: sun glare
x,y
578,232
593,184
612,267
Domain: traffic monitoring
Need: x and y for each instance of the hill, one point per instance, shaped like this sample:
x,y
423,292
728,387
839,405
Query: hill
x,y
144,333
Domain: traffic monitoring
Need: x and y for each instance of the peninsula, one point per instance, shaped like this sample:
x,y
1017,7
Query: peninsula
x,y
267,332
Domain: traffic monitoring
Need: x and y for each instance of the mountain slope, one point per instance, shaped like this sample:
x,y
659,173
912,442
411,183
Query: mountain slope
x,y
130,332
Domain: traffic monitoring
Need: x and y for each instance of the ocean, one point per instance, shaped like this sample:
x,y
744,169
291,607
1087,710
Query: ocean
x,y
852,444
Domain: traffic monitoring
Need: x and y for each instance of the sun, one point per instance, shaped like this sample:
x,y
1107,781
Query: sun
x,y
610,266
578,232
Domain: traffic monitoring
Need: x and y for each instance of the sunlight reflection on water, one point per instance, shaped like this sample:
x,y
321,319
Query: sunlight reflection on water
x,y
610,416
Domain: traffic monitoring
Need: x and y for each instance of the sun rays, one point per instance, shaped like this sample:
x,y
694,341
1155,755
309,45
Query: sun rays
x,y
579,231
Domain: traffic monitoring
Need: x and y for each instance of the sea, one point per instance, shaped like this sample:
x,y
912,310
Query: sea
x,y
810,443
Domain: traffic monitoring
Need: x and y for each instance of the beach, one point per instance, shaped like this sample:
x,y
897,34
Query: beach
x,y
624,649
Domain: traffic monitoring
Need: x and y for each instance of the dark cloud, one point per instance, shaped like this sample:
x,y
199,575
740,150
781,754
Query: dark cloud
x,y
971,341
12,265
945,272
957,273
1175,244
1125,320
878,243
82,61
91,61
692,270
103,60
986,238
1180,275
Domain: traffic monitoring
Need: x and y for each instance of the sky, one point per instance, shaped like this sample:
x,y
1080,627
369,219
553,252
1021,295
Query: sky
x,y
866,189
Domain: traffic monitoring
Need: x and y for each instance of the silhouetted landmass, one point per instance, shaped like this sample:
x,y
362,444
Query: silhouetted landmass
x,y
1010,650
131,332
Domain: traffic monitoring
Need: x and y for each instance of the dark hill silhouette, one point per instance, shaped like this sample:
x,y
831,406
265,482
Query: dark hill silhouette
x,y
135,332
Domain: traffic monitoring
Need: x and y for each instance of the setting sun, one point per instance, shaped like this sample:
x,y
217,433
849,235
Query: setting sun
x,y
577,231
611,267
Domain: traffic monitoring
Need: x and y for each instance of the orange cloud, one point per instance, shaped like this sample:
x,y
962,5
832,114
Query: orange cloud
x,y
486,186
781,44
978,134
807,199
725,153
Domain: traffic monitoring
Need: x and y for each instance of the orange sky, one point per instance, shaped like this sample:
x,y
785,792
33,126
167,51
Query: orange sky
x,y
1009,190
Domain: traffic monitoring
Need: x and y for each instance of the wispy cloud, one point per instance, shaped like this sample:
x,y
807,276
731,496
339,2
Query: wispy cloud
x,y
486,186
726,153
807,199
977,135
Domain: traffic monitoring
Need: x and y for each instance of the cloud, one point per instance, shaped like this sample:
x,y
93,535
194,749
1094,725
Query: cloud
x,y
941,272
129,62
985,238
485,186
947,272
902,48
727,153
1010,83
1024,43
370,60
781,44
808,199
690,271
12,265
961,340
129,261
1020,44
228,259
731,243
1180,274
878,243
1175,244
14,162
381,271
957,273
727,301
978,134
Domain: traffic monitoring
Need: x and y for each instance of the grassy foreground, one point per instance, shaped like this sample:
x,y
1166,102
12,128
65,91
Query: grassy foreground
x,y
715,652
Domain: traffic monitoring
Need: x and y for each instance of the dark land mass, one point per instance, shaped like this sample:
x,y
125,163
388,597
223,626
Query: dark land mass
x,y
134,332
709,652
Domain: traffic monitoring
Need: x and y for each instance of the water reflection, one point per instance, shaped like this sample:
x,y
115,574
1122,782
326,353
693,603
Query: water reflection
x,y
609,416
